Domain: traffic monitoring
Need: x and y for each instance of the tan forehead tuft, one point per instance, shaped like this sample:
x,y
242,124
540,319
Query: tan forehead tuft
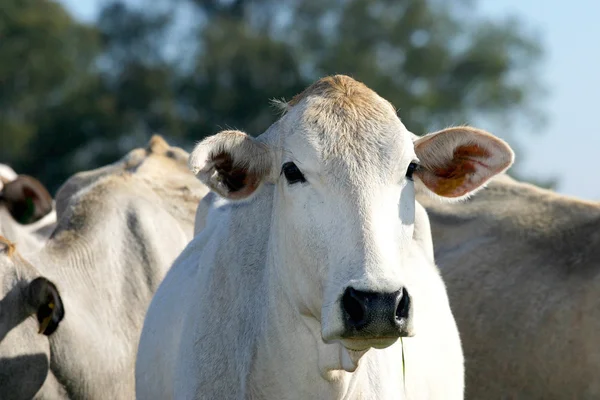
x,y
7,246
336,87
352,124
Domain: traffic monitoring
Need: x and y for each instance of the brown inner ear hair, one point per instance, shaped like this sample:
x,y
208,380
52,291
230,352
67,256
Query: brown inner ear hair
x,y
466,155
235,178
456,172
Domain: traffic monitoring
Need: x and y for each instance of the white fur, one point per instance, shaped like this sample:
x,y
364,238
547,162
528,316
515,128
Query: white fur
x,y
24,353
30,238
251,308
7,174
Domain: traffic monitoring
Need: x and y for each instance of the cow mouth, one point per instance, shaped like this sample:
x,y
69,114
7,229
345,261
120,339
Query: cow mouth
x,y
364,343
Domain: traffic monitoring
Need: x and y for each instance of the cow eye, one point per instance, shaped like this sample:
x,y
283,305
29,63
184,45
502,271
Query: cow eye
x,y
412,167
292,173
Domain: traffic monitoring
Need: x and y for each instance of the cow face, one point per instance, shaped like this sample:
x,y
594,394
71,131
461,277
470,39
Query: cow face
x,y
345,171
30,310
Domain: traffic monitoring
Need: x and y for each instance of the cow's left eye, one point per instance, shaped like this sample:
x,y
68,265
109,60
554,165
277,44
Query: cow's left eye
x,y
292,173
412,167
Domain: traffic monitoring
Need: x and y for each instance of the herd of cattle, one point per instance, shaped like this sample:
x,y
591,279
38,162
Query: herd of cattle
x,y
335,256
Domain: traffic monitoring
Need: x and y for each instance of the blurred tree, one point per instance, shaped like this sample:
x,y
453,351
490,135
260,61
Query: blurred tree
x,y
45,56
188,68
129,97
438,62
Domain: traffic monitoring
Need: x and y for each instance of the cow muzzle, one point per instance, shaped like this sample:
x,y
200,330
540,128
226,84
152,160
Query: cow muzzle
x,y
374,319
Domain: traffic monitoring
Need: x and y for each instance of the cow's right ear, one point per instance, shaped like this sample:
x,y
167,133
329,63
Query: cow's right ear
x,y
27,199
44,298
232,164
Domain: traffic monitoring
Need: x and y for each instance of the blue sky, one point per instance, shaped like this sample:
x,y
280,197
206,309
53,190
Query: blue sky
x,y
568,147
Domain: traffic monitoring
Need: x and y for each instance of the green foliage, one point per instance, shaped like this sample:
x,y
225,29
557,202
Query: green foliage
x,y
45,54
75,97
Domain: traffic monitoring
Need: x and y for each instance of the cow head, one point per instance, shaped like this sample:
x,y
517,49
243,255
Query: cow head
x,y
30,309
344,170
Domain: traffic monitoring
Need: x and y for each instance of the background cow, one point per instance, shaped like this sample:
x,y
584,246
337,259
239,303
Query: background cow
x,y
120,227
304,277
522,268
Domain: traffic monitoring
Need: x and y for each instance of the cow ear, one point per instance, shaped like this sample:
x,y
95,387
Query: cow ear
x,y
456,162
44,298
231,164
27,199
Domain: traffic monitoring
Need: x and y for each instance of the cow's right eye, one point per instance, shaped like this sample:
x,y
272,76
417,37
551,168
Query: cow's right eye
x,y
292,173
412,168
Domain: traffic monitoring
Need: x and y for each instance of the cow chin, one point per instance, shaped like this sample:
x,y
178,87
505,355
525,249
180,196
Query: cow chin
x,y
360,344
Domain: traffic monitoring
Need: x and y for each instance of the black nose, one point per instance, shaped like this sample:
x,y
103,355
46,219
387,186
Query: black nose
x,y
373,314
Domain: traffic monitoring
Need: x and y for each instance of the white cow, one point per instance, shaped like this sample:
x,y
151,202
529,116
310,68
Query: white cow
x,y
522,267
27,214
120,227
31,309
307,270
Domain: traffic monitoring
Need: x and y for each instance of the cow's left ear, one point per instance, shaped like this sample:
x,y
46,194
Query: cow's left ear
x,y
27,199
44,299
232,164
456,162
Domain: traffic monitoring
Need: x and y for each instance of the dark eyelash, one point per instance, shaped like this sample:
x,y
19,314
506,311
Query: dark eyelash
x,y
292,173
412,168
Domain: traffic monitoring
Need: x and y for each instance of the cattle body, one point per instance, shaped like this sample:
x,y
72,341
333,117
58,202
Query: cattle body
x,y
27,213
310,262
522,268
120,227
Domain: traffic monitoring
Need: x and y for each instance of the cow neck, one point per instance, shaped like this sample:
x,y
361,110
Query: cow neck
x,y
72,253
104,263
73,259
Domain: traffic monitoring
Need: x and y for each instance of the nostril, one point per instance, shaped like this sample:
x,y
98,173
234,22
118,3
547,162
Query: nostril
x,y
403,305
354,307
